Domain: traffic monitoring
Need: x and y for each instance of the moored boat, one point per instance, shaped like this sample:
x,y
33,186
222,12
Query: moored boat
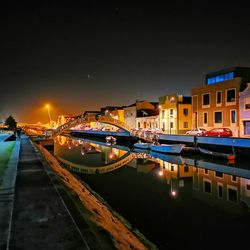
x,y
217,154
167,148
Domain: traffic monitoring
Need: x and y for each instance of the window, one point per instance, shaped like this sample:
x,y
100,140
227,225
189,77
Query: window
x,y
207,187
220,193
205,118
205,99
171,125
171,112
186,168
185,112
231,95
218,174
139,124
218,97
163,113
233,116
232,194
217,117
185,125
220,78
234,178
247,103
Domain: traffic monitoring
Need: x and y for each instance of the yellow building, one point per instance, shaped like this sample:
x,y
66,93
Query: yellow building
x,y
175,113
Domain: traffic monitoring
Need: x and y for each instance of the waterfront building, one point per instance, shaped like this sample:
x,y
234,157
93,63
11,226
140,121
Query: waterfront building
x,y
245,112
116,112
141,114
216,103
175,113
64,119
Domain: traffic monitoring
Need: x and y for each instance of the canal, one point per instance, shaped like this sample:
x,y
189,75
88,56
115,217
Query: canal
x,y
176,202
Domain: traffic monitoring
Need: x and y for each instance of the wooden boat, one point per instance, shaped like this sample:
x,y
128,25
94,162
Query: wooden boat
x,y
167,148
143,145
217,154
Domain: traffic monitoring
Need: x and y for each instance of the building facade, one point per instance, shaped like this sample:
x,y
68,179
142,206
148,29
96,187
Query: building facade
x,y
175,114
216,104
245,112
145,111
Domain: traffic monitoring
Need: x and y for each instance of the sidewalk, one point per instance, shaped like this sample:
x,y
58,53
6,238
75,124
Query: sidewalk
x,y
33,214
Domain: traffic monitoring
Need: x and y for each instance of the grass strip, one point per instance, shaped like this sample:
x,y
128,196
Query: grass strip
x,y
4,159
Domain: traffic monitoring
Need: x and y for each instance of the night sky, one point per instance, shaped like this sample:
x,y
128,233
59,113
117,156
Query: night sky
x,y
85,55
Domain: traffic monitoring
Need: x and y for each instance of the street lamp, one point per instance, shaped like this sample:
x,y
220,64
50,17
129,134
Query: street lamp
x,y
48,108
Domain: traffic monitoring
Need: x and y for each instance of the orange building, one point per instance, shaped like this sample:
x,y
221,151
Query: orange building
x,y
216,104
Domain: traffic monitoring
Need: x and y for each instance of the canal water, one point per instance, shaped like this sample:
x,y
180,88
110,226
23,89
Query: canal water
x,y
176,202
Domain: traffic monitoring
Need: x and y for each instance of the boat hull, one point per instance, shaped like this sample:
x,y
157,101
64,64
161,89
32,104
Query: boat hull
x,y
229,156
167,148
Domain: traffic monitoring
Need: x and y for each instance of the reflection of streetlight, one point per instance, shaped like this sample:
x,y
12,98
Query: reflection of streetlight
x,y
173,192
48,108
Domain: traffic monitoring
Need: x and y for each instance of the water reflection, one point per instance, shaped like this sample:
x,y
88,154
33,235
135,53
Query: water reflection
x,y
196,197
85,156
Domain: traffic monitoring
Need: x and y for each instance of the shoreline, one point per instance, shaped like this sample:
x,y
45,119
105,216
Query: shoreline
x,y
100,213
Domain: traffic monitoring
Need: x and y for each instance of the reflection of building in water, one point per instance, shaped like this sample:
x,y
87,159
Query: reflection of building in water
x,y
143,162
110,154
217,187
177,174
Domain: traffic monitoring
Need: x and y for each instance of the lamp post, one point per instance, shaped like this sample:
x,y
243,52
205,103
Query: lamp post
x,y
48,108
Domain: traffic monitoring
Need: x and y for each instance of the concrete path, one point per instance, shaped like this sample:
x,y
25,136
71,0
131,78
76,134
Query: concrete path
x,y
33,213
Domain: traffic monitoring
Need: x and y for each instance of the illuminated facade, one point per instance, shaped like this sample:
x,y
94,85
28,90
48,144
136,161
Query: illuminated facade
x,y
245,112
142,114
175,113
216,104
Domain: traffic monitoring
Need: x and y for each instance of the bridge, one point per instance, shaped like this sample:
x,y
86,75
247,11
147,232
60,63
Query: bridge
x,y
100,169
85,120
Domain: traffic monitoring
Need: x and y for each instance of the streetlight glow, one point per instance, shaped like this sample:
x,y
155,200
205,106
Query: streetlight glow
x,y
48,108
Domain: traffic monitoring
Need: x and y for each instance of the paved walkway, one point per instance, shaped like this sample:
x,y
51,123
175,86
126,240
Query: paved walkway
x,y
33,214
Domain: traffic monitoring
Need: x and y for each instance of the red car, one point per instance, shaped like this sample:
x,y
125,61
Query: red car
x,y
219,132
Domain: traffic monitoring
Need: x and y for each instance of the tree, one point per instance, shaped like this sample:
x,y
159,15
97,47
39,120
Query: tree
x,y
11,123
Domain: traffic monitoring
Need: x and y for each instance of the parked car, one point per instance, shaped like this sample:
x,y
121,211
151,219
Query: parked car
x,y
196,131
219,132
